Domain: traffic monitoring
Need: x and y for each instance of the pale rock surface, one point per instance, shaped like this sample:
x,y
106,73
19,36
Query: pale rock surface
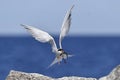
x,y
114,75
17,75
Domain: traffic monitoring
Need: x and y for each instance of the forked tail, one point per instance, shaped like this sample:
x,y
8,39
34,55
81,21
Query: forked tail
x,y
56,60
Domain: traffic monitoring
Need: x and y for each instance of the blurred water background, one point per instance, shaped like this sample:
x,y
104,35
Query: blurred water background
x,y
94,56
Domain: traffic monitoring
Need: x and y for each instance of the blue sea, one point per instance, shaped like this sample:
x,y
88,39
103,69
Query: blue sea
x,y
94,56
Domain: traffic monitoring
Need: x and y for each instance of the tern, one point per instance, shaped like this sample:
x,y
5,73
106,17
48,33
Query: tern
x,y
44,37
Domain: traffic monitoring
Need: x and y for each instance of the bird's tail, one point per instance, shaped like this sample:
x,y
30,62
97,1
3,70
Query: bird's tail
x,y
56,60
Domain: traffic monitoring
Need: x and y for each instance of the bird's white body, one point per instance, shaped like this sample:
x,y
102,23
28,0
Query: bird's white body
x,y
44,37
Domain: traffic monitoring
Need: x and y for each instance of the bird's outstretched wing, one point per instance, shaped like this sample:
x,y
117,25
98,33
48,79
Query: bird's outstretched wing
x,y
65,26
41,36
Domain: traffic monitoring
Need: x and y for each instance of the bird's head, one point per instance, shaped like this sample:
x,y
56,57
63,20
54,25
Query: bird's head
x,y
61,50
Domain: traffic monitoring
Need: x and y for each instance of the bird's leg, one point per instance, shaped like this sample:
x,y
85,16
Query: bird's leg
x,y
65,56
61,54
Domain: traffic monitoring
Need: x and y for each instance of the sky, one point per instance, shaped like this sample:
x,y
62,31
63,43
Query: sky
x,y
89,17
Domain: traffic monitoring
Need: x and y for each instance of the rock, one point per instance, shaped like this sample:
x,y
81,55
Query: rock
x,y
114,75
17,75
75,78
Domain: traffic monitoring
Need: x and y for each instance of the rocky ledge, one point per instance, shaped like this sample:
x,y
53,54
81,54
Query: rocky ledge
x,y
16,75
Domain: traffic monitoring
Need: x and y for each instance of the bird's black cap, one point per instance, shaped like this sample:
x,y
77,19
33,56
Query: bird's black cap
x,y
60,49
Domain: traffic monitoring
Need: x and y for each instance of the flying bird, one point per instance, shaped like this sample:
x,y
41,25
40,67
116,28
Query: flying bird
x,y
44,37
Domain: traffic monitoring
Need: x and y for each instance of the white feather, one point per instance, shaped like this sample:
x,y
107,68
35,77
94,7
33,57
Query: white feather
x,y
56,60
41,36
65,26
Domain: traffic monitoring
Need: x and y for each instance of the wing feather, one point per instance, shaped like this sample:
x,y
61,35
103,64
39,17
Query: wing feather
x,y
41,36
65,26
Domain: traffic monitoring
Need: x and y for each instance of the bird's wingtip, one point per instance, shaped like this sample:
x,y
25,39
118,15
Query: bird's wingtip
x,y
22,25
72,6
25,26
